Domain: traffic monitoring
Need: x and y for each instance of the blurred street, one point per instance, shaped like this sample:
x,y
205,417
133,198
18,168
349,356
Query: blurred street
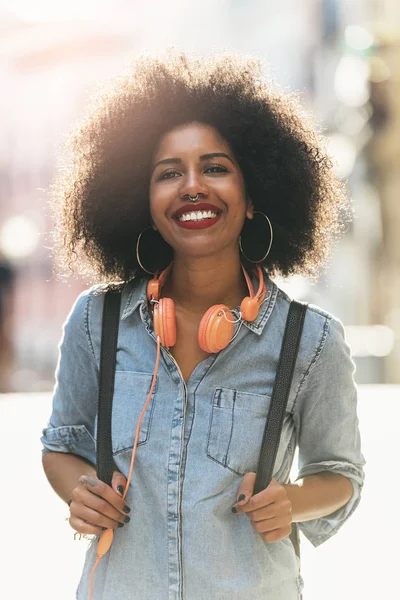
x,y
40,559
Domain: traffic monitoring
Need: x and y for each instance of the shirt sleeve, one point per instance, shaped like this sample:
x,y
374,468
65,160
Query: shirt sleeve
x,y
326,422
71,425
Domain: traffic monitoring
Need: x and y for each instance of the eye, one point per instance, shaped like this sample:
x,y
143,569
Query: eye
x,y
170,174
216,169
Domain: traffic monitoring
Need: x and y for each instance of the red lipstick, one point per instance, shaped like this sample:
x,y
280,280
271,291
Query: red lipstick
x,y
200,207
198,224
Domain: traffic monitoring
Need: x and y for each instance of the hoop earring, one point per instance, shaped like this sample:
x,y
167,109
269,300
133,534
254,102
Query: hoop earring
x,y
254,232
154,248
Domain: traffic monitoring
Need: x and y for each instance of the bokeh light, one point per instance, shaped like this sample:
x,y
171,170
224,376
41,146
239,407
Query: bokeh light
x,y
358,37
19,237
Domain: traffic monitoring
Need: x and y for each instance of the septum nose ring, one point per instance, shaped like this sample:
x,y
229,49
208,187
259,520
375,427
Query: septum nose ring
x,y
193,198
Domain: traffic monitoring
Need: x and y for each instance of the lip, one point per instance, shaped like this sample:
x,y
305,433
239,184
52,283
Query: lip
x,y
195,207
198,224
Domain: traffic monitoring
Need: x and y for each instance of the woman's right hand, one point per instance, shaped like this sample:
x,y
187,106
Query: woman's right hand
x,y
96,506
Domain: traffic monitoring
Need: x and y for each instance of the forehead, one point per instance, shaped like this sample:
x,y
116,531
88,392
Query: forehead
x,y
191,138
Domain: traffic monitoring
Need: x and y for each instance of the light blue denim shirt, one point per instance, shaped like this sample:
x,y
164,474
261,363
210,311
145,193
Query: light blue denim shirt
x,y
196,443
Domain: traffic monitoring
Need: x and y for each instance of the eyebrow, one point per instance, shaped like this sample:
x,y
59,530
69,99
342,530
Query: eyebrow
x,y
177,161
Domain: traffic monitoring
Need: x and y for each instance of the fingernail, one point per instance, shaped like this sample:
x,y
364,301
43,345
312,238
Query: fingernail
x,y
234,509
120,524
120,489
126,509
127,519
241,497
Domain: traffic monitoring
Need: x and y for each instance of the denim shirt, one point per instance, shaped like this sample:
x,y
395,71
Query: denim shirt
x,y
198,440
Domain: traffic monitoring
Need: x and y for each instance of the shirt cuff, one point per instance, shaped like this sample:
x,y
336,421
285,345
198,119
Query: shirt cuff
x,y
71,439
318,531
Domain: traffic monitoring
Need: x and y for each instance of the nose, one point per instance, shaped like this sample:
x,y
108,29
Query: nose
x,y
192,184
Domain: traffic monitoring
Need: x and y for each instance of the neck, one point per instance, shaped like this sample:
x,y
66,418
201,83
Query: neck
x,y
196,284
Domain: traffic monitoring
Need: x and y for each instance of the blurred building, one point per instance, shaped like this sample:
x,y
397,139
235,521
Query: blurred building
x,y
383,155
48,70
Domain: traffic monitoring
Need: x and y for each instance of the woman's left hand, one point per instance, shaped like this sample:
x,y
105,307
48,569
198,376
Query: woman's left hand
x,y
269,511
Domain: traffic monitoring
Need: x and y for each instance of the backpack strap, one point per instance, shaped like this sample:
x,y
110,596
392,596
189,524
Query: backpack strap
x,y
280,394
108,359
279,399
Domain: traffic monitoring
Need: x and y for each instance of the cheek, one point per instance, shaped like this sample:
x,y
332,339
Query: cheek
x,y
238,206
158,202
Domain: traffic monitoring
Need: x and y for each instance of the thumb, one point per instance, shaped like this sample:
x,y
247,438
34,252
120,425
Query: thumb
x,y
118,483
246,488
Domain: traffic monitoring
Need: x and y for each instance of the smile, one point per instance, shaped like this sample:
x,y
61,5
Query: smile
x,y
198,219
197,215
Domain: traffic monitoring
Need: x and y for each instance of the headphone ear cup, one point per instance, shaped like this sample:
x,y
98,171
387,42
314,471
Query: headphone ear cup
x,y
215,332
164,322
168,322
153,289
157,323
249,308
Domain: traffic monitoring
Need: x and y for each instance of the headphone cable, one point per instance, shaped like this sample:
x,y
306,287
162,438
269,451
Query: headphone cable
x,y
106,538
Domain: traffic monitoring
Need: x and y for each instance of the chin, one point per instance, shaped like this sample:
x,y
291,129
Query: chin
x,y
209,250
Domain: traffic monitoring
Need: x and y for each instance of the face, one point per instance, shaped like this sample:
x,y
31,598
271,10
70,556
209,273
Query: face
x,y
195,160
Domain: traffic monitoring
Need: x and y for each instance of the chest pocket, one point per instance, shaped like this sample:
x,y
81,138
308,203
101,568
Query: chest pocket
x,y
236,429
130,393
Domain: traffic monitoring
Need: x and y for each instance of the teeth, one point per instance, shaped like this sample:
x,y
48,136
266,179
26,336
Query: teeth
x,y
197,215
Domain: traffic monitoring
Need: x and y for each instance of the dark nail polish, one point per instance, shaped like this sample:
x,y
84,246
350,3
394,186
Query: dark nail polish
x,y
241,497
120,489
120,524
104,528
126,509
234,510
127,519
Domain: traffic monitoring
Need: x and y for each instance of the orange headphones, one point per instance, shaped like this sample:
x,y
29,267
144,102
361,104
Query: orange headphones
x,y
215,329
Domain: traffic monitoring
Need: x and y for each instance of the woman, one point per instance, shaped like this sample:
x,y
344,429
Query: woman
x,y
199,166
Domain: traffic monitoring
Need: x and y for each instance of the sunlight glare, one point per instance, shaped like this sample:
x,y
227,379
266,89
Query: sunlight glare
x,y
46,10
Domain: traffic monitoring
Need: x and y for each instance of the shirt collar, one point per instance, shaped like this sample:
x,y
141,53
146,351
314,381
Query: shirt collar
x,y
136,295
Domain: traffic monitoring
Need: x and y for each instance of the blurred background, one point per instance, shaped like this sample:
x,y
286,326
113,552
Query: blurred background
x,y
342,56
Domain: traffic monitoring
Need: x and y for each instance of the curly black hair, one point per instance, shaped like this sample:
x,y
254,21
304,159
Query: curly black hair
x,y
100,197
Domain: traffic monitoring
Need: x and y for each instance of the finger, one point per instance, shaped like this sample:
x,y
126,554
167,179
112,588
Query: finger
x,y
82,527
275,509
273,493
118,483
93,517
246,488
271,524
245,491
84,497
265,512
276,534
94,485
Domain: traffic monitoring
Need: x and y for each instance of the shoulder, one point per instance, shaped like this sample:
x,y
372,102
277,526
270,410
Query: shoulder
x,y
323,337
317,320
90,303
86,316
87,300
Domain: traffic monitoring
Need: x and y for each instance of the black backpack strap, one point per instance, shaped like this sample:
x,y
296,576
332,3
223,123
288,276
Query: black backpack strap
x,y
108,360
279,399
280,394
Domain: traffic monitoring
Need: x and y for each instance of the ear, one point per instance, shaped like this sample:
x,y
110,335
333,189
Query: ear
x,y
250,209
